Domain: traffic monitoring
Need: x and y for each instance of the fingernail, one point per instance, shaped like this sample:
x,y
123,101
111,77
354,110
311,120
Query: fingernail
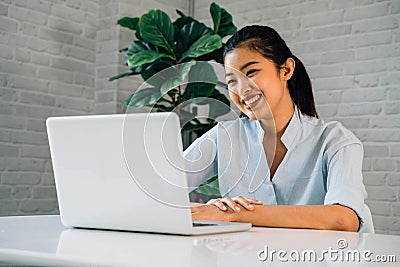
x,y
237,209
251,206
224,208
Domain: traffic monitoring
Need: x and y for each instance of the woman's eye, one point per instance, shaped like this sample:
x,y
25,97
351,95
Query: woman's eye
x,y
251,72
230,82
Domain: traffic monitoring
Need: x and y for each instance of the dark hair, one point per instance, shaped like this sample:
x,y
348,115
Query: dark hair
x,y
270,45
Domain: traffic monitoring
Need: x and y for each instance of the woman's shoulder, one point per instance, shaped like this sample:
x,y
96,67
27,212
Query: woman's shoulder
x,y
331,131
239,122
231,125
240,127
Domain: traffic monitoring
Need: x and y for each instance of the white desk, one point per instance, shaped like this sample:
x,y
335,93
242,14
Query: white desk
x,y
42,240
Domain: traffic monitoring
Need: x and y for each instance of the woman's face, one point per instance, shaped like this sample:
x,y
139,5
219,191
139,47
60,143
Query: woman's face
x,y
255,85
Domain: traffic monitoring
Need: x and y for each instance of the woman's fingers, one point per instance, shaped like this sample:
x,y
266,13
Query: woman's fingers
x,y
254,201
247,203
231,203
218,203
244,202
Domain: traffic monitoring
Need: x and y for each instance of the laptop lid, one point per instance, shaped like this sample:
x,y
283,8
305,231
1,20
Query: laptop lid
x,y
120,172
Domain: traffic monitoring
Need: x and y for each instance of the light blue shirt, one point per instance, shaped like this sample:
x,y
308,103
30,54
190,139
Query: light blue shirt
x,y
322,165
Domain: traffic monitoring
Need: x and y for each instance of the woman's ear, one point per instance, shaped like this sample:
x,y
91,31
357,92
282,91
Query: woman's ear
x,y
287,69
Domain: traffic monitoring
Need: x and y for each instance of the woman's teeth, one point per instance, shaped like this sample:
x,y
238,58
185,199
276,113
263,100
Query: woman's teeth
x,y
252,100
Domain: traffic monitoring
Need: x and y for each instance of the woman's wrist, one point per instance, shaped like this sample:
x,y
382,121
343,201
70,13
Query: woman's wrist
x,y
239,216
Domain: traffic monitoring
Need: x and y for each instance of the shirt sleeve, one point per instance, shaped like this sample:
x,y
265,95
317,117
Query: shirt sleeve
x,y
201,159
345,181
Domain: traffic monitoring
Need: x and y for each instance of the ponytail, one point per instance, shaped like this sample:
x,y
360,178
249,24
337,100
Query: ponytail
x,y
300,89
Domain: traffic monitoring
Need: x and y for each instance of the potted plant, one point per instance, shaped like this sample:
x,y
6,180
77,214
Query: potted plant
x,y
181,49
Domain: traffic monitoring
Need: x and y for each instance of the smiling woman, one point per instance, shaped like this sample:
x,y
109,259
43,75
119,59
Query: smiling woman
x,y
279,166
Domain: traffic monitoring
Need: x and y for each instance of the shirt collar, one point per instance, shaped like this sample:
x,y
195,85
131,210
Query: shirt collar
x,y
293,129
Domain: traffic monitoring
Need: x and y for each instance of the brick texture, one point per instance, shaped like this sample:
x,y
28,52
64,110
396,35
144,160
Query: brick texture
x,y
55,59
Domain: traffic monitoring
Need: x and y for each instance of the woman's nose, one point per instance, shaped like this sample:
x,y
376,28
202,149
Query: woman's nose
x,y
244,88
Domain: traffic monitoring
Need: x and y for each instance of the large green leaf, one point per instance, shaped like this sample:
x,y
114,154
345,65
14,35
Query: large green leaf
x,y
130,23
223,24
201,82
144,98
203,72
210,187
139,45
144,57
156,28
189,127
178,79
216,55
158,72
147,70
204,45
219,107
182,20
119,76
197,93
189,34
186,116
135,47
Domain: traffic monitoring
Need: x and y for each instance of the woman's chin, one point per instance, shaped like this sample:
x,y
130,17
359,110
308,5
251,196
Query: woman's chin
x,y
254,115
251,116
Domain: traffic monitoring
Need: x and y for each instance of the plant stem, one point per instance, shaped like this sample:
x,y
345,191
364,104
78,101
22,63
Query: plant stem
x,y
178,110
179,94
160,107
172,98
165,100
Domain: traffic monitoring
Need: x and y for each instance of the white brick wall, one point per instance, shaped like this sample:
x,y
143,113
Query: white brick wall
x,y
352,51
55,59
45,68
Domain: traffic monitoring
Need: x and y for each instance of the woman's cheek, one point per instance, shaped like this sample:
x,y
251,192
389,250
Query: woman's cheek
x,y
235,98
261,85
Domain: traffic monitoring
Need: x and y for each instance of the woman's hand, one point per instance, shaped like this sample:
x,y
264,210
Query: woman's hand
x,y
224,203
211,212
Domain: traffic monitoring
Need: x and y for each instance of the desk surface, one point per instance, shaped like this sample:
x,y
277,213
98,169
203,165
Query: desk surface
x,y
42,240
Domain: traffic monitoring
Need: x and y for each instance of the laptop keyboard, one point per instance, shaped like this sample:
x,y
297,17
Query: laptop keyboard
x,y
204,224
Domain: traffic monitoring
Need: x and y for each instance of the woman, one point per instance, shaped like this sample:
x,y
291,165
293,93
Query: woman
x,y
279,165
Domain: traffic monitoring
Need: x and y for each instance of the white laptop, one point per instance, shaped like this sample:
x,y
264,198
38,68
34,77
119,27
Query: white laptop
x,y
124,172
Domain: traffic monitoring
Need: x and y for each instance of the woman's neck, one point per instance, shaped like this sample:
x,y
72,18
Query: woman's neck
x,y
281,117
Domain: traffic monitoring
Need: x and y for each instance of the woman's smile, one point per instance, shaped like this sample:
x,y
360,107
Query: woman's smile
x,y
251,101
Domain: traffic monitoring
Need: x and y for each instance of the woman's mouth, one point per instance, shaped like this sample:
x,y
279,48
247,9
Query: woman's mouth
x,y
251,101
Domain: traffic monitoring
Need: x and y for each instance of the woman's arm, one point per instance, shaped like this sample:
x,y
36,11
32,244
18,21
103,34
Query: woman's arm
x,y
326,217
201,159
